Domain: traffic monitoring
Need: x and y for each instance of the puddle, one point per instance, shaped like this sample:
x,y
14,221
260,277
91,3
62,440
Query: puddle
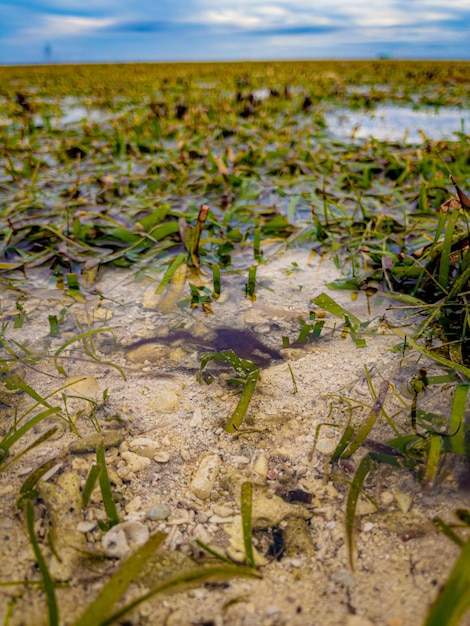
x,y
261,94
78,113
165,329
394,123
72,114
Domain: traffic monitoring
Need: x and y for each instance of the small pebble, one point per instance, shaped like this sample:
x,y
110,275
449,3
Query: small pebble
x,y
143,446
185,455
325,445
135,462
201,533
159,512
162,457
134,505
386,497
204,479
196,420
164,400
260,467
216,519
124,473
182,516
86,527
240,460
223,510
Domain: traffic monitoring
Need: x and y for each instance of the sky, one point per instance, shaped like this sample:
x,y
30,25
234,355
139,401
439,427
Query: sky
x,y
53,31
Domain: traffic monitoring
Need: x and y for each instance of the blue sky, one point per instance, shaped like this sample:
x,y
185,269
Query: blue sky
x,y
34,31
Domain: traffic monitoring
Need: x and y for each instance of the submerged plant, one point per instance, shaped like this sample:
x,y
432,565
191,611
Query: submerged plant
x,y
422,451
247,374
453,600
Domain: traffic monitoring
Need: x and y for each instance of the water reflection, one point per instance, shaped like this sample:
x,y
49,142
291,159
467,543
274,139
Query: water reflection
x,y
394,123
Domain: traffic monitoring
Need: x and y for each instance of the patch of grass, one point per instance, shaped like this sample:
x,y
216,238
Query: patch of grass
x,y
453,600
420,449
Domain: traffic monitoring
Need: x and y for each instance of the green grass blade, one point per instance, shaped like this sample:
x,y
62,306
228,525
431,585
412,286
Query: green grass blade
x,y
432,461
213,552
27,490
257,244
463,515
248,374
361,474
9,440
79,337
457,426
454,599
251,284
459,285
238,415
90,483
53,326
328,304
392,459
37,442
16,382
346,438
105,485
359,341
448,532
180,583
195,239
242,367
439,228
365,429
118,583
168,275
443,277
246,507
49,589
216,281
433,355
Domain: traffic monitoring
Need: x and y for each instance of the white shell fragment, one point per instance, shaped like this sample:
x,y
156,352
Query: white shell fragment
x,y
203,480
124,538
404,501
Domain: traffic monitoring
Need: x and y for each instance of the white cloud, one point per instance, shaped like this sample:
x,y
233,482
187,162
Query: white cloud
x,y
231,18
57,26
449,4
261,15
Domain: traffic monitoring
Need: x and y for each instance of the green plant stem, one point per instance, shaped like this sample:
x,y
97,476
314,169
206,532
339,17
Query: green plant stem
x,y
52,608
236,420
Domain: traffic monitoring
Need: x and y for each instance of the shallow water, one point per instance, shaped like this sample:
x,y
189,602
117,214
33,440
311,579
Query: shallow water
x,y
78,113
396,123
